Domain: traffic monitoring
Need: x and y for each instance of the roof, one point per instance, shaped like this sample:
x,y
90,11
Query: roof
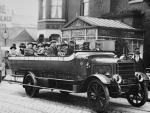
x,y
99,22
21,35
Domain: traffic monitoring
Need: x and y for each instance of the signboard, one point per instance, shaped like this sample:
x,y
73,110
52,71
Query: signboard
x,y
5,17
65,33
116,33
91,32
76,33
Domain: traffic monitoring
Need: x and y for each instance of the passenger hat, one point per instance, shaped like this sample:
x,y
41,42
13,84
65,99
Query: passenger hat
x,y
30,43
40,44
73,42
46,45
12,47
137,52
53,41
85,44
64,44
22,45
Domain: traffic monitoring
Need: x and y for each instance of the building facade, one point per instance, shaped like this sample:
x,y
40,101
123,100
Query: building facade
x,y
54,14
135,13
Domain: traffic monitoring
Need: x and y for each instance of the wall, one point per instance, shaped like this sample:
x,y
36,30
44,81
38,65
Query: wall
x,y
142,22
99,7
74,9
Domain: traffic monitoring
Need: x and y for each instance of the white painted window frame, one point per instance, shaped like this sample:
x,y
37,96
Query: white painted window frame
x,y
135,1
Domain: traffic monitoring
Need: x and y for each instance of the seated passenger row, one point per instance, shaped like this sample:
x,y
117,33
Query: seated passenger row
x,y
52,49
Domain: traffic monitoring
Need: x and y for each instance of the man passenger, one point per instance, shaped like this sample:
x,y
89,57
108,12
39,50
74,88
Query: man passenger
x,y
52,50
63,49
71,48
29,50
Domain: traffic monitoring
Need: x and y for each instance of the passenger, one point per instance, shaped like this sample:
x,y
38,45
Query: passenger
x,y
29,50
63,49
139,62
52,50
35,49
40,50
58,47
97,46
22,47
86,46
46,46
13,51
71,48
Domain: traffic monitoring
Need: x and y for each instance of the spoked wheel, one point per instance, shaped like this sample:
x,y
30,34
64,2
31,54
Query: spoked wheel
x,y
98,96
31,91
138,98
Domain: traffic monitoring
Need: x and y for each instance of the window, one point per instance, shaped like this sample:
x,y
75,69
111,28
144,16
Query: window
x,y
44,9
56,9
135,1
85,7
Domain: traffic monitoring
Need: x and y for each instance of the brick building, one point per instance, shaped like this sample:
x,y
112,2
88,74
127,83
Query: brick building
x,y
54,14
135,13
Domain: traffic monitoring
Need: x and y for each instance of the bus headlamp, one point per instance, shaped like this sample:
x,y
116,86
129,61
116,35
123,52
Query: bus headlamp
x,y
117,78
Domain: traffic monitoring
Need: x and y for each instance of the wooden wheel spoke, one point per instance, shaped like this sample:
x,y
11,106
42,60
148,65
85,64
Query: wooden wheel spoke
x,y
93,103
101,94
94,89
99,89
136,99
100,101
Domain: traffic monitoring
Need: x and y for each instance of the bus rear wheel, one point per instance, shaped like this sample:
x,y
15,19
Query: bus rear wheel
x,y
30,90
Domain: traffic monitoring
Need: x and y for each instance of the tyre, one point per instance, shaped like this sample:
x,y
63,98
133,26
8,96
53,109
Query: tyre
x,y
30,90
139,97
98,96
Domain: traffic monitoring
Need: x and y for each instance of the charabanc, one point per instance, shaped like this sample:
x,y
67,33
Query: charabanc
x,y
99,74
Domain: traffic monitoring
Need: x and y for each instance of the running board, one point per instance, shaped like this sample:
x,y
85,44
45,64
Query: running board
x,y
20,83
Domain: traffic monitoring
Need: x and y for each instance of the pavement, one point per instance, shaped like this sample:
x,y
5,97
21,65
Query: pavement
x,y
13,99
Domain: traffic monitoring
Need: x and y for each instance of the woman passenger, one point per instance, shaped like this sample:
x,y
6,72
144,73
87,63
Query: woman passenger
x,y
22,48
13,51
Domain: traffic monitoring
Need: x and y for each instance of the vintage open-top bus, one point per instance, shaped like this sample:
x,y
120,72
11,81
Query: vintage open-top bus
x,y
99,74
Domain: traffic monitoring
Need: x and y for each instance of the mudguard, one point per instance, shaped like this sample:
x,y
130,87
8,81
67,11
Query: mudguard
x,y
102,78
145,76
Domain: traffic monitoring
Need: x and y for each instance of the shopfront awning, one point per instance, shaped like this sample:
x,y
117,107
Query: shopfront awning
x,y
82,21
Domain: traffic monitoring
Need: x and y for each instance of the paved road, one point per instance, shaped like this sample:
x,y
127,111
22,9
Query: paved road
x,y
13,99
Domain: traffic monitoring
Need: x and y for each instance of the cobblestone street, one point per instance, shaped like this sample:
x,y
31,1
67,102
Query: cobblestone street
x,y
13,99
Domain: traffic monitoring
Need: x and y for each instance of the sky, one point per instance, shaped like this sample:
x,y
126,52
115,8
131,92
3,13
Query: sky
x,y
22,7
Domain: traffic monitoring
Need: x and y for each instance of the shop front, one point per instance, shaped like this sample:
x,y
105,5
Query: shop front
x,y
104,30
